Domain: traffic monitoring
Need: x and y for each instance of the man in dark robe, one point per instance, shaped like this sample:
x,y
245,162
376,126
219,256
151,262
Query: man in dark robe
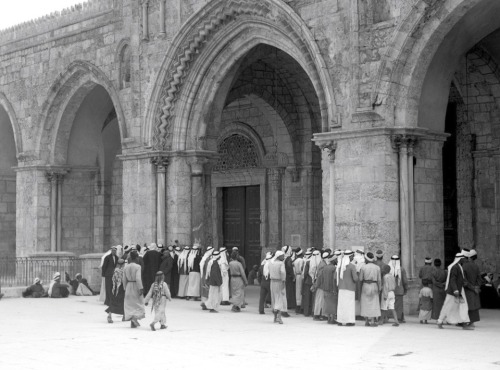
x,y
426,271
380,260
167,263
290,281
399,274
35,291
472,282
452,312
307,294
152,262
326,282
438,292
175,271
107,271
214,281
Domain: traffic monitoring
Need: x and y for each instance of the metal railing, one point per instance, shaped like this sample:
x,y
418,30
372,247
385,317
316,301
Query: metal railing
x,y
21,271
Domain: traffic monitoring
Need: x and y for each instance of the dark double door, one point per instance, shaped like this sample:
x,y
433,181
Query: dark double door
x,y
241,222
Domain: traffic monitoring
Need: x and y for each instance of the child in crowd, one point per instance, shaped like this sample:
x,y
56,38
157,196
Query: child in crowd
x,y
425,302
158,293
388,298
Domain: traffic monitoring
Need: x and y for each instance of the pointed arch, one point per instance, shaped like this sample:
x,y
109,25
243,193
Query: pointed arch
x,y
223,23
65,97
9,109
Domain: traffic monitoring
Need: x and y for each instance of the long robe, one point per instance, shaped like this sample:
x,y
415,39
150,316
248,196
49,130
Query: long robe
x,y
133,304
175,277
307,296
277,273
214,282
473,282
346,304
194,279
117,301
224,268
167,263
326,282
152,262
438,292
290,284
399,292
238,282
298,265
455,310
159,307
371,282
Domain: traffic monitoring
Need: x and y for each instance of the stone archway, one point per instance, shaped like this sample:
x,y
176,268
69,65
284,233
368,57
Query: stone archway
x,y
10,147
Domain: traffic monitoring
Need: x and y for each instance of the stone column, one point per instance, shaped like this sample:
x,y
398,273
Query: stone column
x,y
160,164
51,177
411,207
162,18
55,180
197,200
275,207
404,145
145,20
330,149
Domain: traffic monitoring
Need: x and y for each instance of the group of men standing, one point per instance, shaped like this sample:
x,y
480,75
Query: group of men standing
x,y
331,285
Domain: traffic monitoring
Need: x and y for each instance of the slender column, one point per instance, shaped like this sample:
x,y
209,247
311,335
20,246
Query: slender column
x,y
411,208
51,177
330,149
400,144
275,207
197,200
145,20
161,164
162,18
59,179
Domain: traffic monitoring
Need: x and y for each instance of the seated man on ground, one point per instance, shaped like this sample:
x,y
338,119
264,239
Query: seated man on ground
x,y
58,289
79,285
35,291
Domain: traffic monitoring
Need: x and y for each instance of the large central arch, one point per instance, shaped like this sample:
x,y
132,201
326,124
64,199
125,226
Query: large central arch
x,y
233,28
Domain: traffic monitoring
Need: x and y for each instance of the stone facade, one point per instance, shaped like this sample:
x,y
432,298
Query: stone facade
x,y
345,103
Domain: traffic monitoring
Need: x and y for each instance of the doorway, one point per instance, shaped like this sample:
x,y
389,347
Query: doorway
x,y
241,222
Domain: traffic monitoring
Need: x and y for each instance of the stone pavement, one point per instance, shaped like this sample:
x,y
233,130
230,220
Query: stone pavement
x,y
73,334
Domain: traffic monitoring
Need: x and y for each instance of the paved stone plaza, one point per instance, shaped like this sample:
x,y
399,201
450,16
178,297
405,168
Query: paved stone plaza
x,y
73,334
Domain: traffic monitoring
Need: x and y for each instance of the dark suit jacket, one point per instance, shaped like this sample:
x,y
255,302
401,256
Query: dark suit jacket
x,y
108,266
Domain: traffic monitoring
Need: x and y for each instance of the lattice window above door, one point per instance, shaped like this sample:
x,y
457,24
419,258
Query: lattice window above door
x,y
236,151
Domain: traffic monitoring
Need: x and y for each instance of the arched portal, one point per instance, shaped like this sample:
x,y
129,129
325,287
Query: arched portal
x,y
442,77
253,73
8,161
87,173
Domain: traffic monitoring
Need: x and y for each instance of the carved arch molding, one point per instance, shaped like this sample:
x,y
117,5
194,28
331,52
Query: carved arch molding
x,y
194,41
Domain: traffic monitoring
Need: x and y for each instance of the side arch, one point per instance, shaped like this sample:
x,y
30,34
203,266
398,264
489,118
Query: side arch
x,y
9,109
65,96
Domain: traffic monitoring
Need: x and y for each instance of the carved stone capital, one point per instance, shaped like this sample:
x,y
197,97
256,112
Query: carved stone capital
x,y
55,176
329,147
197,164
160,163
402,142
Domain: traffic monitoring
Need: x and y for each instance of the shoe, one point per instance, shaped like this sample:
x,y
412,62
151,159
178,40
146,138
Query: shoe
x,y
213,311
421,321
284,314
203,306
440,326
132,325
110,320
339,324
278,318
152,326
163,327
395,324
235,309
225,303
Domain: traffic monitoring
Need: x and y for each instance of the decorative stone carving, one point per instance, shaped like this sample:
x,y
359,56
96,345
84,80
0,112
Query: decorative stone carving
x,y
275,177
330,148
236,151
160,163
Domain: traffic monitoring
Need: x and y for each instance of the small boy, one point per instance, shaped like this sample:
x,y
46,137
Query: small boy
x,y
159,293
425,302
388,298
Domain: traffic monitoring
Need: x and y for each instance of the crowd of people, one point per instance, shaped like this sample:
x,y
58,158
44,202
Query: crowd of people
x,y
57,289
333,286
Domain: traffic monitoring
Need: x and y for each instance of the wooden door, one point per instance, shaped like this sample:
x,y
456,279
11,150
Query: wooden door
x,y
241,222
